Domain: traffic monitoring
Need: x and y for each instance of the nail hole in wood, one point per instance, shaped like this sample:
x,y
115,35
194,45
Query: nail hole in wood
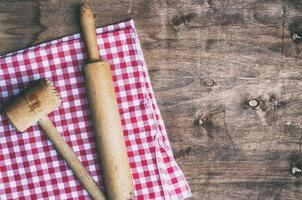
x,y
253,102
296,167
295,161
209,83
295,170
296,37
198,121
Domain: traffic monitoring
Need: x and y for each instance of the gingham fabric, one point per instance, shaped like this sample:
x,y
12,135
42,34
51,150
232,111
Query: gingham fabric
x,y
30,167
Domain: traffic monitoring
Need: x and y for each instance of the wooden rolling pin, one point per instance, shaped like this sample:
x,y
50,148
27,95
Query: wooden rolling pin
x,y
105,115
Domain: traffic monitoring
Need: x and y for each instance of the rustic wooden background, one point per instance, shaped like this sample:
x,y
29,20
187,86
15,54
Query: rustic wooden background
x,y
207,59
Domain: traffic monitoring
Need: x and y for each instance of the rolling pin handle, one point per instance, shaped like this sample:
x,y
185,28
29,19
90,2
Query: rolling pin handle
x,y
89,34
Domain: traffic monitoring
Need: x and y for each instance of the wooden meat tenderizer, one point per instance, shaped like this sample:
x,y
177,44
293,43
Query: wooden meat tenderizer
x,y
105,116
33,105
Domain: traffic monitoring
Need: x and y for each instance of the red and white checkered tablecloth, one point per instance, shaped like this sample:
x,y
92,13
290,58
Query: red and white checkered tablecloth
x,y
30,168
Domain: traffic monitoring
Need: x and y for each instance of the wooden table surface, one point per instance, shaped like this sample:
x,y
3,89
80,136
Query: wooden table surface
x,y
207,60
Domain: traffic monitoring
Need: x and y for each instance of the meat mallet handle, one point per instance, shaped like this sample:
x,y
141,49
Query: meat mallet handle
x,y
72,160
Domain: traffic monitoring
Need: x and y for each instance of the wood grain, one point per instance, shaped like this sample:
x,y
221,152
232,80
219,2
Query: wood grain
x,y
207,59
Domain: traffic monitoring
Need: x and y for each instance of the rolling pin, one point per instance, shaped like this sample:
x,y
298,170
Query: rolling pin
x,y
105,115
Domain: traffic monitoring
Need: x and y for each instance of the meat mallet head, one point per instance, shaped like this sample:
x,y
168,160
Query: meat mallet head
x,y
37,100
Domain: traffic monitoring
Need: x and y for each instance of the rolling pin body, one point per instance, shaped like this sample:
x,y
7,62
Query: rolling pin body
x,y
105,116
108,129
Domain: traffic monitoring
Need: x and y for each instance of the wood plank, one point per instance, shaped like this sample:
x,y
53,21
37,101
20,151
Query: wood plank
x,y
19,24
207,59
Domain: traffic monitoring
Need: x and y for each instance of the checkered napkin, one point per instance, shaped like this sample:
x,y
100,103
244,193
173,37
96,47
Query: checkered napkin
x,y
30,167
